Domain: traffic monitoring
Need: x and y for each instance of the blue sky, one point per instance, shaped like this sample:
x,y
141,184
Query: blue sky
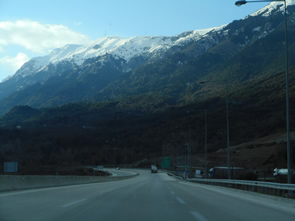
x,y
30,28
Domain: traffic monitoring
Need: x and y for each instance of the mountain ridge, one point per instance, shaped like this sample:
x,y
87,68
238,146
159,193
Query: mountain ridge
x,y
125,48
181,62
112,45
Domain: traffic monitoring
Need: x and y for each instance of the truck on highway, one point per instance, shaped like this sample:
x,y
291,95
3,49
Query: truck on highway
x,y
281,175
278,172
154,169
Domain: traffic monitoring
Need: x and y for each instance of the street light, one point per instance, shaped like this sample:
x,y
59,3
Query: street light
x,y
227,127
239,3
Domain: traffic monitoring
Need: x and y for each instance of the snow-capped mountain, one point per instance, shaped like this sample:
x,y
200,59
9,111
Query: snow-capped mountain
x,y
273,6
131,64
125,48
128,48
131,52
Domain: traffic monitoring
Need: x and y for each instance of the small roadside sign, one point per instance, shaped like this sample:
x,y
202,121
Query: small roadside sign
x,y
10,167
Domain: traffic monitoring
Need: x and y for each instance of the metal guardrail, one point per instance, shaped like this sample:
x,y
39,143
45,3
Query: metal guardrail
x,y
275,189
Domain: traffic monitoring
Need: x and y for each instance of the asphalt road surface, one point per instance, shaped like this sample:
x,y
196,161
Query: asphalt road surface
x,y
144,197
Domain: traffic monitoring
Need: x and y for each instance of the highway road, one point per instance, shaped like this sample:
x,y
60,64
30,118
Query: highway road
x,y
144,197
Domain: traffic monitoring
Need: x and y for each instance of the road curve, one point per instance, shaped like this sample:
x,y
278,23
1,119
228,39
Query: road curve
x,y
144,197
116,172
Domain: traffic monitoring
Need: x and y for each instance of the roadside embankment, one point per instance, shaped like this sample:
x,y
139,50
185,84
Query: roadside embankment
x,y
18,182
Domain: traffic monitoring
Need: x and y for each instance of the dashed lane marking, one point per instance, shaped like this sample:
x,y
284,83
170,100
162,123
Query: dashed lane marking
x,y
181,201
73,203
198,216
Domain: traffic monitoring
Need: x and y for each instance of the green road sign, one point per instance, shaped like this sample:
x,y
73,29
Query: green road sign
x,y
165,164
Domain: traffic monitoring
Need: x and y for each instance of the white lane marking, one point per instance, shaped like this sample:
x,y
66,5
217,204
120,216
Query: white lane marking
x,y
198,216
73,203
172,192
181,201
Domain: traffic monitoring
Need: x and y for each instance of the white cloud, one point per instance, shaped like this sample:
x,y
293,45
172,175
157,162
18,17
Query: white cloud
x,y
14,63
10,65
37,37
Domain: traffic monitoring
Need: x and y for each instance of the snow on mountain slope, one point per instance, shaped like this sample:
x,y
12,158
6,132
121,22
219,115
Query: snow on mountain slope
x,y
267,10
125,48
38,63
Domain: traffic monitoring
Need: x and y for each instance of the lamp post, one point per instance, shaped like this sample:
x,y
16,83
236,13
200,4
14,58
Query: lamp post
x,y
205,112
227,127
239,3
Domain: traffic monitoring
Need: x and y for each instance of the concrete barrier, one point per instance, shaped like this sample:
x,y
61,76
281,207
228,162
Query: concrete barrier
x,y
19,182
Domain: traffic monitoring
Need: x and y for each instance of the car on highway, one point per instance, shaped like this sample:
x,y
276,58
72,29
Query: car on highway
x,y
154,169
